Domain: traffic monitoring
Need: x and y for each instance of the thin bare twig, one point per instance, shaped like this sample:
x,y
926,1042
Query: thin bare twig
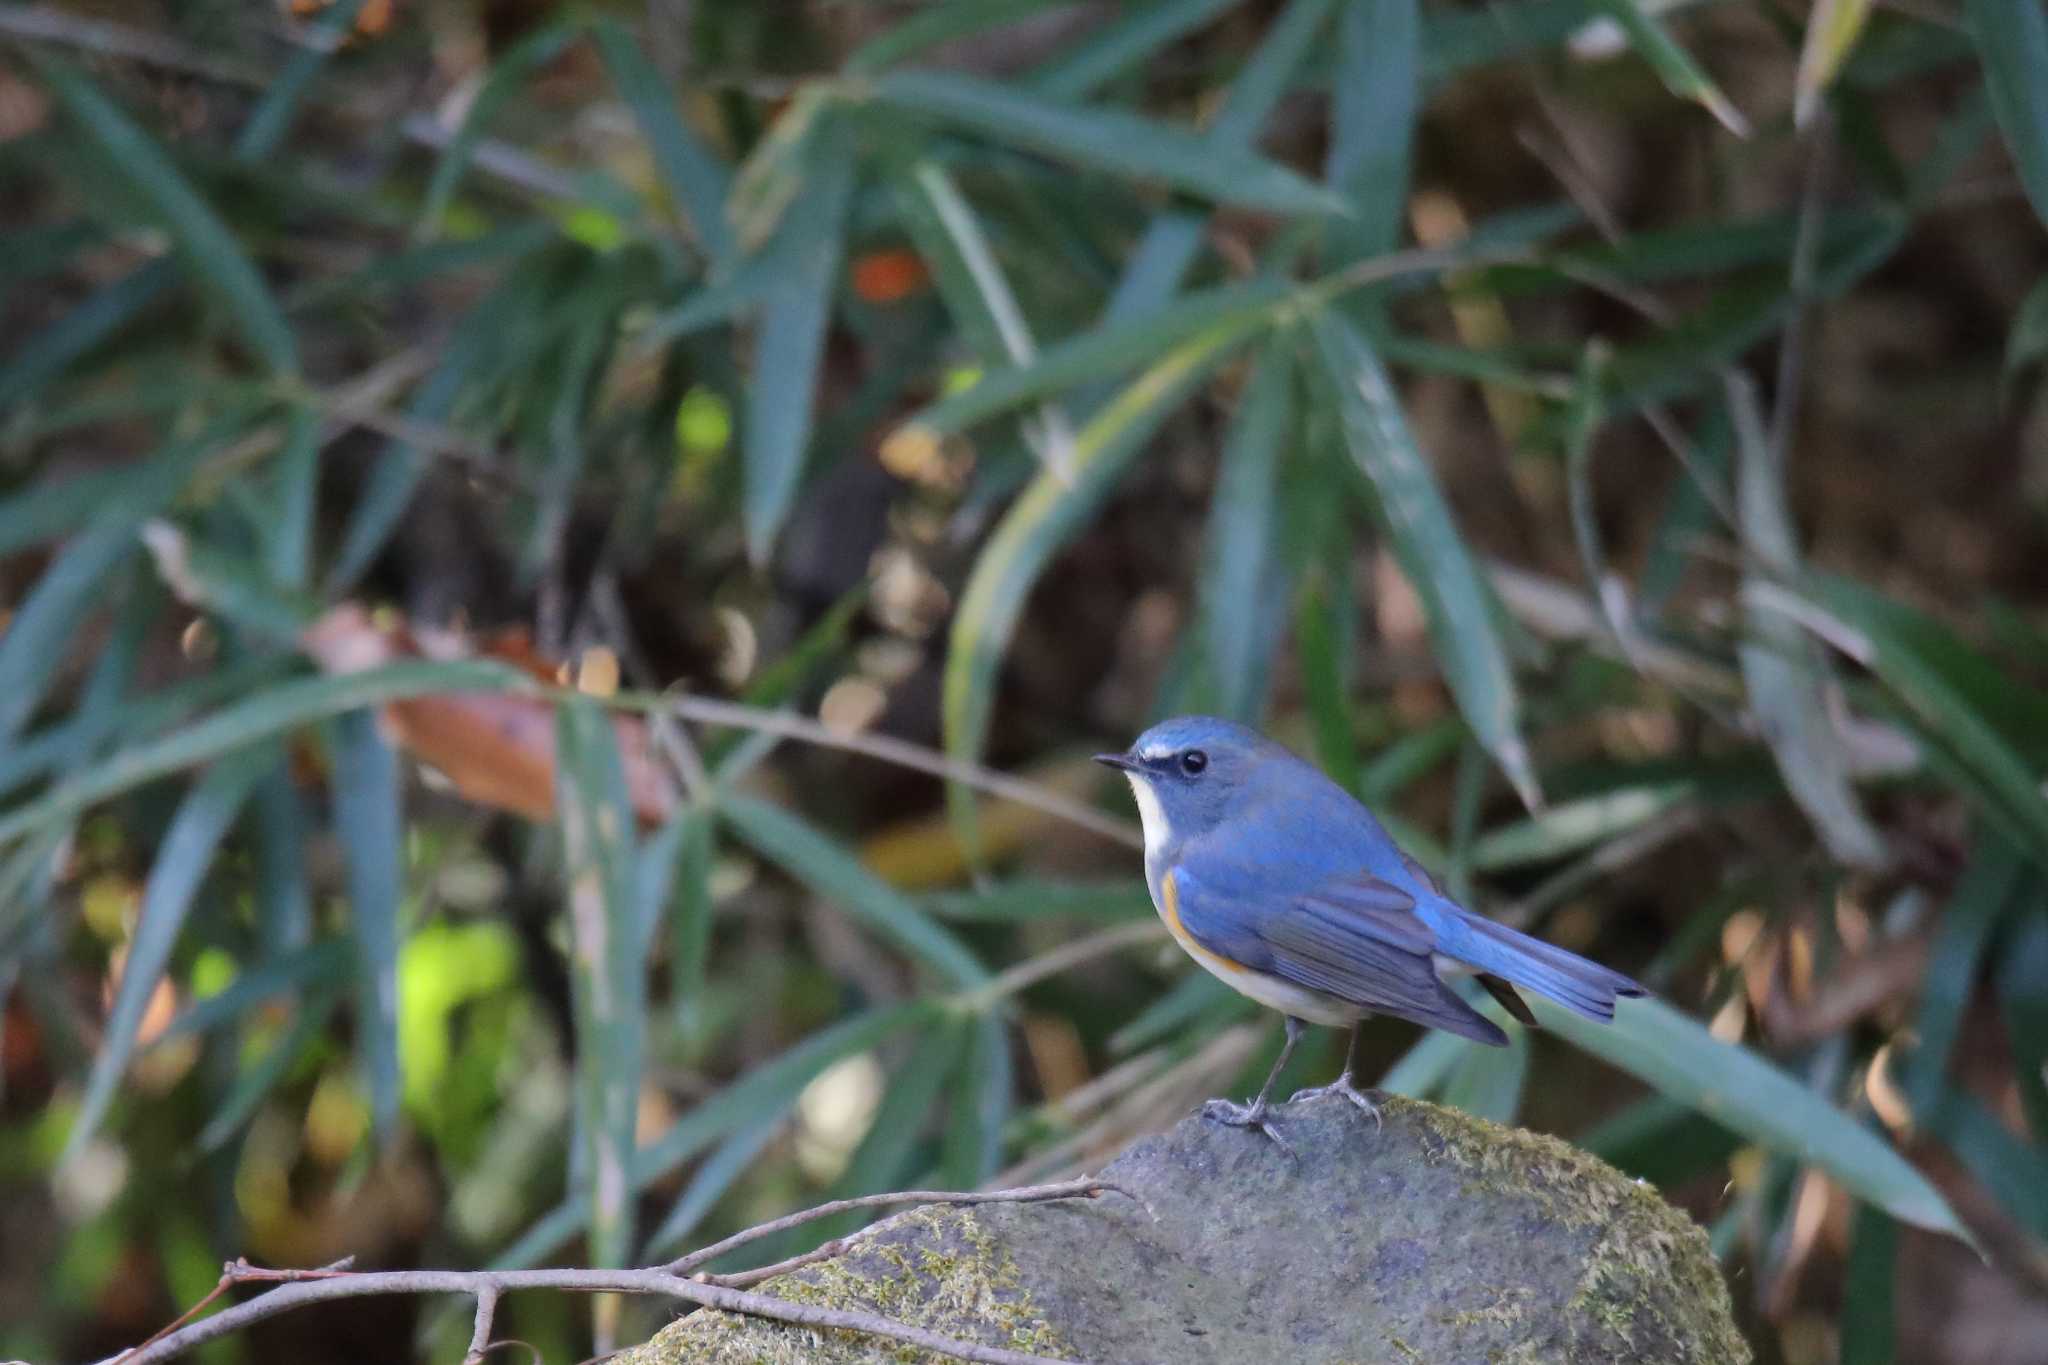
x,y
739,716
480,1339
1086,1188
1031,971
299,1288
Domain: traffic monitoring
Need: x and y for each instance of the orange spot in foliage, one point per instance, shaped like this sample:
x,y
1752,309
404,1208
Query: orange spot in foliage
x,y
889,276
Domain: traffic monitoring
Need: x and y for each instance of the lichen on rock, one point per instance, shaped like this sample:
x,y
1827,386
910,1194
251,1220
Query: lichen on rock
x,y
1436,1237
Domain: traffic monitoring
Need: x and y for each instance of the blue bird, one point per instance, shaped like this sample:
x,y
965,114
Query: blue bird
x,y
1285,887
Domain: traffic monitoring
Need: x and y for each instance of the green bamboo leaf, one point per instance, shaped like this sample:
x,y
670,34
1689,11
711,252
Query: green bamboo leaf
x,y
2027,344
984,1093
795,311
2022,958
607,981
52,614
518,65
934,25
182,861
1429,548
1571,826
1159,262
1107,139
1048,514
881,1160
1488,1081
284,899
1021,899
2012,42
1422,1070
1831,33
1322,643
1930,671
288,539
1661,1141
311,969
367,816
763,1092
209,250
271,120
1675,1055
1783,670
709,1183
1240,581
1968,925
254,1084
978,295
690,926
274,711
831,871
1196,998
1120,45
697,180
1375,96
1681,75
1113,349
1867,1318
50,351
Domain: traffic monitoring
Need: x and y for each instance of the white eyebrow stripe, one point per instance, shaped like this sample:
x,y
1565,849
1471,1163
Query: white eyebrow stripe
x,y
1154,753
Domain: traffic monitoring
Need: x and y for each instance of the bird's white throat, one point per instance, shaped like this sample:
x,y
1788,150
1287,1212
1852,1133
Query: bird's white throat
x,y
1158,829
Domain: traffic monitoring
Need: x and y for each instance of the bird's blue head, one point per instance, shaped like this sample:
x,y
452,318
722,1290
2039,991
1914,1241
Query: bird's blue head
x,y
1189,774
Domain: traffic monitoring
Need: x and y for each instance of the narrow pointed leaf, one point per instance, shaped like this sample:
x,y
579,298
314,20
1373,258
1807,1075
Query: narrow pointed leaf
x,y
2012,42
280,708
1831,33
697,180
1783,670
978,295
836,874
1427,544
1375,97
211,254
194,835
1121,45
520,62
1043,519
1681,75
1674,1054
1107,139
41,358
367,816
606,975
796,308
1239,610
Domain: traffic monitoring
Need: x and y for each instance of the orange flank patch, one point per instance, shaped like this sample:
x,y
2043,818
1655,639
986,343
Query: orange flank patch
x,y
1170,912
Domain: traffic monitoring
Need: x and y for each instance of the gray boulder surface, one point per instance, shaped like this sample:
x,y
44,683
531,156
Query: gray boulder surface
x,y
1436,1238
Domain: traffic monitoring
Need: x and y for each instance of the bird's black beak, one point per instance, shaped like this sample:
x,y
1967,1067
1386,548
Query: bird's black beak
x,y
1123,762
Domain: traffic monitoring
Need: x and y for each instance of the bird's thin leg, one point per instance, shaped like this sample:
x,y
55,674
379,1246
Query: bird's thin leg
x,y
1253,1115
1345,1084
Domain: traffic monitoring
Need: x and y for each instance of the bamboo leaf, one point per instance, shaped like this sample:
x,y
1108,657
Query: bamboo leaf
x,y
2012,42
367,816
978,296
697,180
1374,100
796,308
1429,548
1242,594
187,852
1675,1055
1108,139
836,874
1033,530
210,251
519,64
1120,45
607,981
1831,33
1681,75
1783,670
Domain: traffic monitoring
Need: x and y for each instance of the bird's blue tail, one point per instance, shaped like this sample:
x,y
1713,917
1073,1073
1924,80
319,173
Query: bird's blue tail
x,y
1580,986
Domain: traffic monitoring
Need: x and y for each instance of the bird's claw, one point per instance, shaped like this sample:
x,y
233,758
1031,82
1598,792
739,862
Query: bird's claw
x,y
1245,1116
1344,1086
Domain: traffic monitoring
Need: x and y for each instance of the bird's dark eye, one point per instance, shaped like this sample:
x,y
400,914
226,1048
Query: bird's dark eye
x,y
1193,761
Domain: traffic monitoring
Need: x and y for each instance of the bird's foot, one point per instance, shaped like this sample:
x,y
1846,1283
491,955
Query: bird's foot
x,y
1346,1087
1253,1115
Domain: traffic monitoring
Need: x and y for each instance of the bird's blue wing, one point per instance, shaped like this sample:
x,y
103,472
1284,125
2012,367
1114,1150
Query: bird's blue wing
x,y
1357,938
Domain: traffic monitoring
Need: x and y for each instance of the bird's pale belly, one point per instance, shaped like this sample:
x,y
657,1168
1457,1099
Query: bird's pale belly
x,y
1270,991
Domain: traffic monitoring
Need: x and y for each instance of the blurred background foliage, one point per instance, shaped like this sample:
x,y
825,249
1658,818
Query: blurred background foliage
x,y
1604,433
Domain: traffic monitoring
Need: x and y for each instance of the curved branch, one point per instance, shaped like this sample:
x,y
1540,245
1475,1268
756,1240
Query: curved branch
x,y
302,1287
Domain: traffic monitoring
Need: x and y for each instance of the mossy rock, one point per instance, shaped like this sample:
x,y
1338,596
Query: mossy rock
x,y
1436,1238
